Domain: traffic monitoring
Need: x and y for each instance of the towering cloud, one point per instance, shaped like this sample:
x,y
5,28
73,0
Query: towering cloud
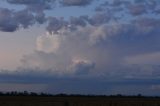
x,y
48,43
102,44
97,50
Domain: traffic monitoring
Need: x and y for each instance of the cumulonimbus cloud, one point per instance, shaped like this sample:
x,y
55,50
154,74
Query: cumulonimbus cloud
x,y
100,42
97,50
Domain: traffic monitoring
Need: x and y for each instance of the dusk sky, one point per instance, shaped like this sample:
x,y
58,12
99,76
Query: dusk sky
x,y
80,46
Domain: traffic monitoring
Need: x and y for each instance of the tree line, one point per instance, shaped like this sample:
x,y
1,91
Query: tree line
x,y
26,93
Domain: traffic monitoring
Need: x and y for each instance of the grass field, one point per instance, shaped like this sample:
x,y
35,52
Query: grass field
x,y
76,101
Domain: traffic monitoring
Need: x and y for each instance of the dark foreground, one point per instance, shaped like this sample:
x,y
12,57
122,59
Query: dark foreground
x,y
76,101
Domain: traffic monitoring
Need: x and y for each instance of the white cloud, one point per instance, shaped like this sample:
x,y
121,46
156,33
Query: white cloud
x,y
48,43
81,66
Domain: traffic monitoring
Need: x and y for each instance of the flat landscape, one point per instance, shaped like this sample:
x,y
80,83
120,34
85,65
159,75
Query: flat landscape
x,y
79,52
76,101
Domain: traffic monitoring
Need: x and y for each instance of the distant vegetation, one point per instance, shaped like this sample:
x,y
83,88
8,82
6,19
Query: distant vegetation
x,y
26,93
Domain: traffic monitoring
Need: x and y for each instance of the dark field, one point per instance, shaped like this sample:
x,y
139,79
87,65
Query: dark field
x,y
76,101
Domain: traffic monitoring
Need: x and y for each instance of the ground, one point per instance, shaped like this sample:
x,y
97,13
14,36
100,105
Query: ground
x,y
76,101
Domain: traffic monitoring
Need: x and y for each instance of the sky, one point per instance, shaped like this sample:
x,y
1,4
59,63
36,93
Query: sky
x,y
80,46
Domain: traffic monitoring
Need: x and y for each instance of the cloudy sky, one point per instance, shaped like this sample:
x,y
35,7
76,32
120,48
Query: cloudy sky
x,y
80,46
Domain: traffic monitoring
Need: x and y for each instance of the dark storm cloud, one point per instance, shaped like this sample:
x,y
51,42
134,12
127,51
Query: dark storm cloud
x,y
11,21
34,5
76,2
34,10
144,7
78,21
137,9
40,18
55,24
40,5
26,2
99,18
7,23
111,5
117,3
24,18
134,7
109,11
